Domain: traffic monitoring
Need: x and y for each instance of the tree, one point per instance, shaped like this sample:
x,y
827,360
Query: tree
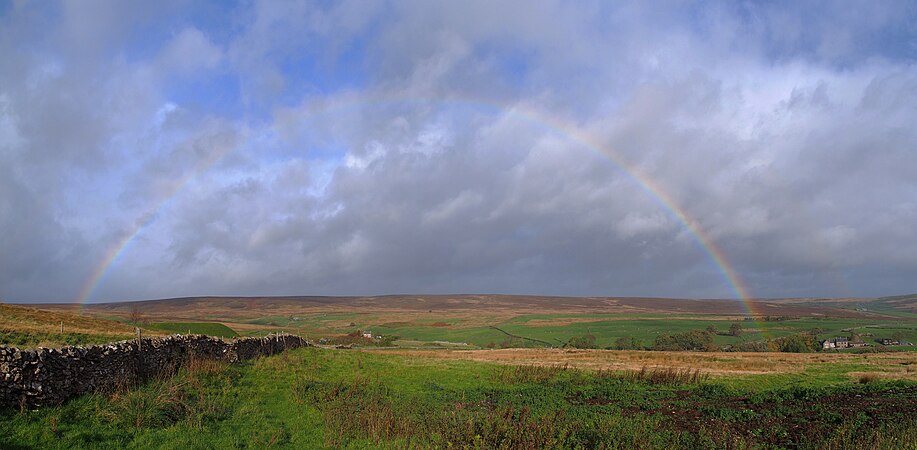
x,y
627,343
735,329
584,341
797,343
691,340
136,315
711,329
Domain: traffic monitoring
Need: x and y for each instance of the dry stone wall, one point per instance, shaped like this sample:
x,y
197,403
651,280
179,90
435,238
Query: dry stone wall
x,y
40,377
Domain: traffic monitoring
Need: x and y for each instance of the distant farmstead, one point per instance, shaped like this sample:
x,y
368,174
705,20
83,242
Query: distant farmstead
x,y
887,341
842,342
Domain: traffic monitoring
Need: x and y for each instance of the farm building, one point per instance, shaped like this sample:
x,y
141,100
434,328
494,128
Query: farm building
x,y
842,342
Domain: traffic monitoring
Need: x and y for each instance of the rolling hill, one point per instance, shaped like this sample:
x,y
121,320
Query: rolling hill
x,y
229,308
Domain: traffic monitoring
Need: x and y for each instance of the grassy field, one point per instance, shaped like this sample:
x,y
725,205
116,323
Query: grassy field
x,y
556,329
208,328
25,327
460,327
421,396
734,369
479,321
313,398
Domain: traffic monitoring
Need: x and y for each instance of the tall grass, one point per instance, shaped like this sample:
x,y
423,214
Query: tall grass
x,y
368,410
869,377
169,398
530,373
887,436
658,375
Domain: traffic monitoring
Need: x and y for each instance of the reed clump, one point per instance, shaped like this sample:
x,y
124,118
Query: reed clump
x,y
659,375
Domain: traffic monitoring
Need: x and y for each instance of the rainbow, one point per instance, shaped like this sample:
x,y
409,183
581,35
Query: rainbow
x,y
149,216
570,131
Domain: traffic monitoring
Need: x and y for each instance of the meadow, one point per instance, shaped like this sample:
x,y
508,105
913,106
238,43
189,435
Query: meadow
x,y
27,327
558,329
316,398
208,328
443,380
498,321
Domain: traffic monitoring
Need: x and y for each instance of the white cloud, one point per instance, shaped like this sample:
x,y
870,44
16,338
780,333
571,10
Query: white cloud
x,y
785,133
190,50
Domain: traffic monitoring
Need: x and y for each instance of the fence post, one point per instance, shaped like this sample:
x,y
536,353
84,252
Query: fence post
x,y
139,370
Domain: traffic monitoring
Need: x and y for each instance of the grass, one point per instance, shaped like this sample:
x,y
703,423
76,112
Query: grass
x,y
475,326
25,327
39,339
557,329
208,328
313,398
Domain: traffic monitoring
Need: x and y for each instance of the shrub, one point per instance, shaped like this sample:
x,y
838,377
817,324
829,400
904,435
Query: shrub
x,y
868,378
627,343
692,340
735,329
584,341
797,343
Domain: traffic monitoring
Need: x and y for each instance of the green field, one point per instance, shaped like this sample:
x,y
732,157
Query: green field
x,y
605,327
208,328
27,339
312,398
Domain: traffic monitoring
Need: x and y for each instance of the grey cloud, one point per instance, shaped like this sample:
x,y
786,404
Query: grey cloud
x,y
190,50
785,134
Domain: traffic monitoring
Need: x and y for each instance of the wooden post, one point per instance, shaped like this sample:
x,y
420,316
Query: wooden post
x,y
61,327
139,354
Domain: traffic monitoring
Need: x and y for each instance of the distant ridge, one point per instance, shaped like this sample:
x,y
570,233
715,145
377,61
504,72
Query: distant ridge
x,y
220,306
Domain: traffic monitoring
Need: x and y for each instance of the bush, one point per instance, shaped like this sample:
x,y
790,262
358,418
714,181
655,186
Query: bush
x,y
584,341
692,340
797,343
627,343
867,378
735,329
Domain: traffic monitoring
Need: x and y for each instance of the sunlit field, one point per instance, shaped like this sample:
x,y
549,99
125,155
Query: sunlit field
x,y
312,398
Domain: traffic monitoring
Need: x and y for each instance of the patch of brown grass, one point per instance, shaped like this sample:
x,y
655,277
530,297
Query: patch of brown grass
x,y
868,377
25,319
659,375
892,365
529,373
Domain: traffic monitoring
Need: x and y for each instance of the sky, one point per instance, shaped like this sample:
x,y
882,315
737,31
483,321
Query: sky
x,y
652,148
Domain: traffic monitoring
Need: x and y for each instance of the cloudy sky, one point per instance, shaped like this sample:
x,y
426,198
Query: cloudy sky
x,y
171,148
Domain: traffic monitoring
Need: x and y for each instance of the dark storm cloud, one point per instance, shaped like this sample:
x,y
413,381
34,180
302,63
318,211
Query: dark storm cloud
x,y
289,148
